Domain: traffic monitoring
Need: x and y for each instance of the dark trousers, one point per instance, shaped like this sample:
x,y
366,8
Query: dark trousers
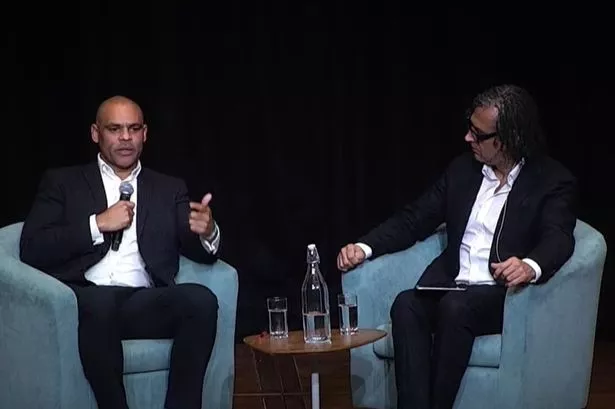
x,y
187,313
433,333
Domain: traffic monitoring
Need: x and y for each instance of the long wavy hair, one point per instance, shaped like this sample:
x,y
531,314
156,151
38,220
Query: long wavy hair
x,y
518,122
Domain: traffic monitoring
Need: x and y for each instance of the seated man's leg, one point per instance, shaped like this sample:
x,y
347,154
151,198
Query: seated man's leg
x,y
413,316
100,345
462,316
187,313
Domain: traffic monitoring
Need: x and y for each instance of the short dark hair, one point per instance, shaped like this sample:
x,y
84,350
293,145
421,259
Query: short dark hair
x,y
518,122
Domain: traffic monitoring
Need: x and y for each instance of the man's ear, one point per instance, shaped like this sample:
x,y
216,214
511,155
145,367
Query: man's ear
x,y
94,133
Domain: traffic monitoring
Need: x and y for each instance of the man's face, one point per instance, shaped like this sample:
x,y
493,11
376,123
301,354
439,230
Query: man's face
x,y
481,135
120,133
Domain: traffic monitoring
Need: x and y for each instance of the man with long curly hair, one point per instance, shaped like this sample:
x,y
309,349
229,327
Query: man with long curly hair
x,y
510,212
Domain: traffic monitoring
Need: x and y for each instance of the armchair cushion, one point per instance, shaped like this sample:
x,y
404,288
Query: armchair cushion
x,y
146,355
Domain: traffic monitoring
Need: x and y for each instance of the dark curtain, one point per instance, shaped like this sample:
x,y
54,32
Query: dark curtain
x,y
309,123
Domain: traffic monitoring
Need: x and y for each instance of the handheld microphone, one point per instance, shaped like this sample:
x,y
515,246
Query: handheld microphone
x,y
126,190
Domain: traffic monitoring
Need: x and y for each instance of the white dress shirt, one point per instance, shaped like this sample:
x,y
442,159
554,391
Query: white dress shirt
x,y
126,267
480,231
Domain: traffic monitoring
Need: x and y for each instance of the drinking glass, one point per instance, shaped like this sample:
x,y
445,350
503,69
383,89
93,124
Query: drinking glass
x,y
349,313
278,323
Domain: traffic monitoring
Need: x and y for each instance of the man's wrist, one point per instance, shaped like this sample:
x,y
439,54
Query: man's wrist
x,y
96,234
535,268
211,244
214,233
100,223
366,249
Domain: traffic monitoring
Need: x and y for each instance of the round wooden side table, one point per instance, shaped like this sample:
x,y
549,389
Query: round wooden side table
x,y
294,344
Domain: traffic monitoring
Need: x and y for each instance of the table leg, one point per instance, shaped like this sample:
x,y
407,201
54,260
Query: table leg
x,y
315,391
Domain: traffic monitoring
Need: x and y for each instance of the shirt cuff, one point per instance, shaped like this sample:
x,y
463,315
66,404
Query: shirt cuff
x,y
536,268
366,249
97,236
212,243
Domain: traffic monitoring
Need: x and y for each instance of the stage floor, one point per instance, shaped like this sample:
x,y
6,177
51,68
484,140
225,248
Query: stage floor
x,y
259,380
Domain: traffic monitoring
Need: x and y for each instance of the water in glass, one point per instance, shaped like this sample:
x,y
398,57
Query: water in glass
x,y
349,317
349,313
278,323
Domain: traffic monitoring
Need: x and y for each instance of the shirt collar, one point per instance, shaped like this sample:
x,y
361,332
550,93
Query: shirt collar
x,y
105,169
512,175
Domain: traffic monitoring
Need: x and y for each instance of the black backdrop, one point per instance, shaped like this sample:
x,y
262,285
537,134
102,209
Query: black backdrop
x,y
308,123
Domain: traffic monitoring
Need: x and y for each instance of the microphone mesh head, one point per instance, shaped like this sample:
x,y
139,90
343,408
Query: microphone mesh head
x,y
126,189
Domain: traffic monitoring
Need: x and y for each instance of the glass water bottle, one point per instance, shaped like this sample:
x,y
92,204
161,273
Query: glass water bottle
x,y
315,301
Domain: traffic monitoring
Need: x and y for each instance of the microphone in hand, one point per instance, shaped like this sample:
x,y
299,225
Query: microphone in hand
x,y
126,190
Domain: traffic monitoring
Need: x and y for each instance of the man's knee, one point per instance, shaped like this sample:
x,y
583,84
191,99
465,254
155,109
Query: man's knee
x,y
403,305
453,310
197,299
98,305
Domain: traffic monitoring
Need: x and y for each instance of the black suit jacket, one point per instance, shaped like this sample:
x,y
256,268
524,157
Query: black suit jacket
x,y
56,235
539,222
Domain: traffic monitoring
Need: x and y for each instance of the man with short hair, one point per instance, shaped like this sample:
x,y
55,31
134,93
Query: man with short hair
x,y
127,291
510,213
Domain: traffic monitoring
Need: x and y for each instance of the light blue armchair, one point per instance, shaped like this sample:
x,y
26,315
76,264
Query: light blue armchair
x,y
543,358
40,366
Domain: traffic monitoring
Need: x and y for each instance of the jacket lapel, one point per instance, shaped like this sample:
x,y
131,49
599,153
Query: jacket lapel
x,y
524,185
95,184
521,190
144,191
97,190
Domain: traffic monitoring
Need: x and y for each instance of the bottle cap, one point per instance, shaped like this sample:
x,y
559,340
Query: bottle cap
x,y
312,254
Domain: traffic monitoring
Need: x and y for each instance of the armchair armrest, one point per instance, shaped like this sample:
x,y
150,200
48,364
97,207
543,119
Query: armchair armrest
x,y
220,278
377,282
548,336
39,356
